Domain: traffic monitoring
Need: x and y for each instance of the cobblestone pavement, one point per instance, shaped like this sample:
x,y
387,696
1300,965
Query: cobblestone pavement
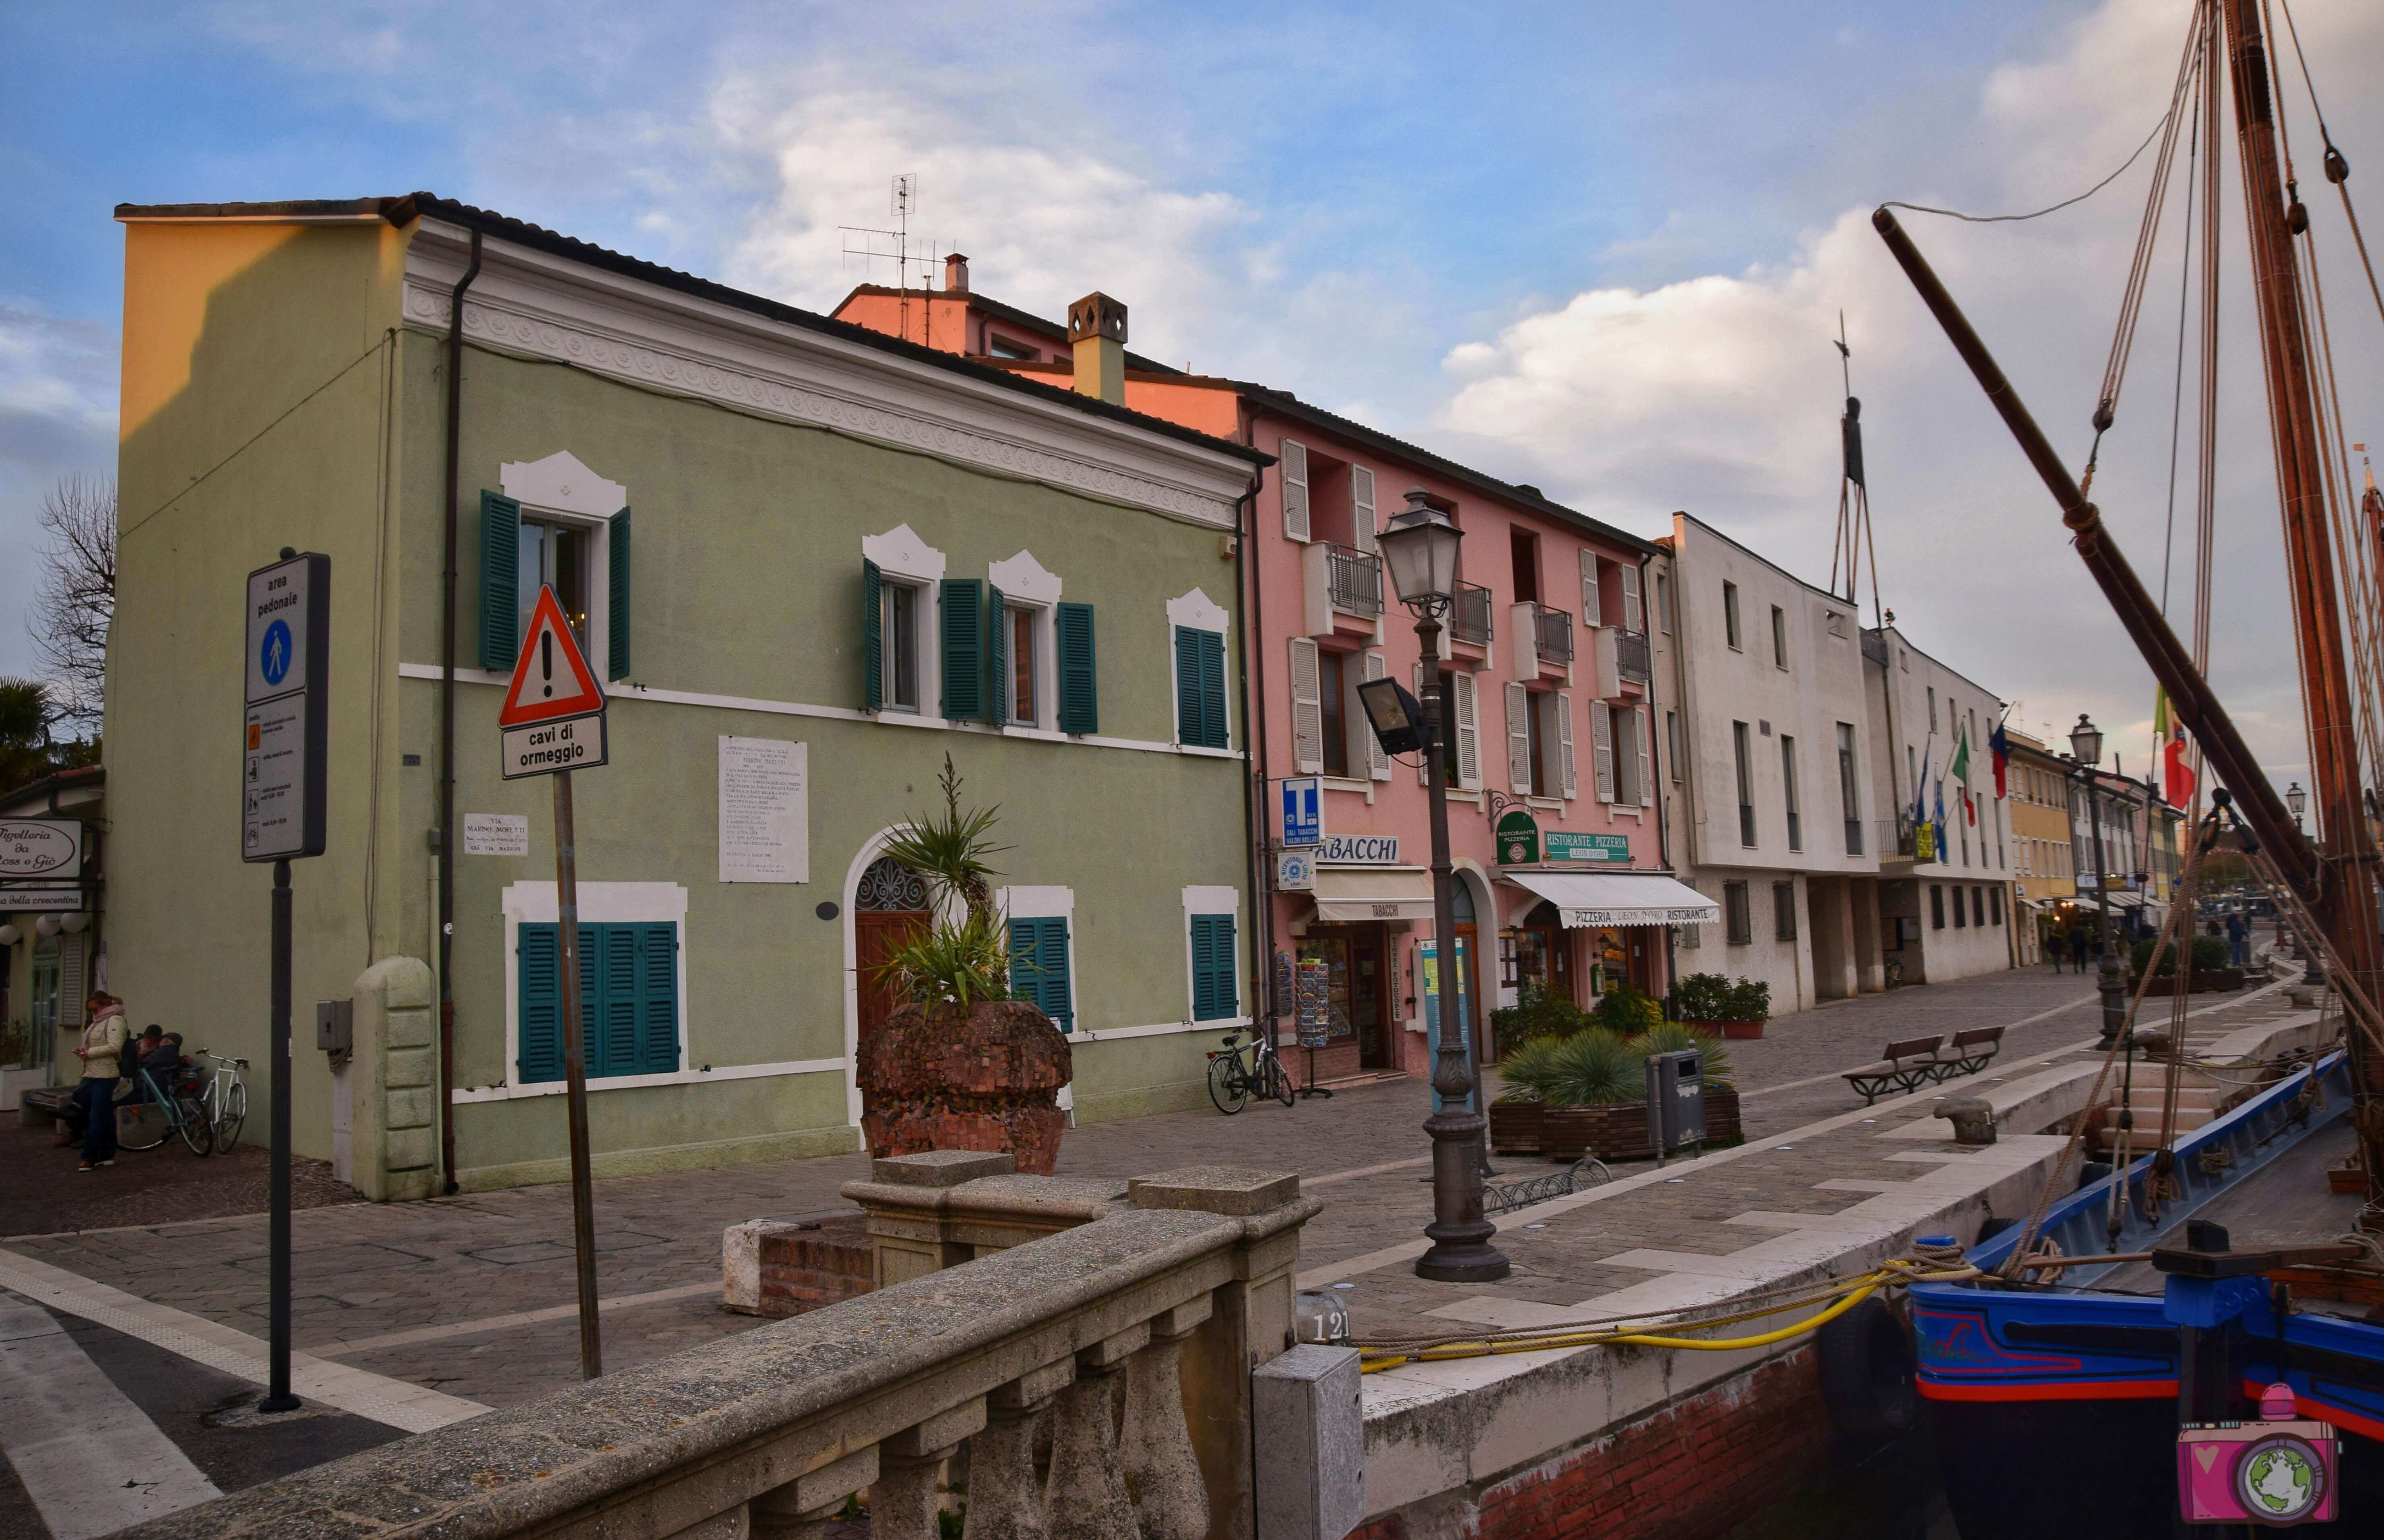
x,y
418,1291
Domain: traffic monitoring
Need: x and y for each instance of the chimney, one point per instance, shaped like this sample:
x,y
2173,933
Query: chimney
x,y
956,274
1096,332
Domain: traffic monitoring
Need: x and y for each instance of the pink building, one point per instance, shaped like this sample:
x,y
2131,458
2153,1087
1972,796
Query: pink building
x,y
1549,658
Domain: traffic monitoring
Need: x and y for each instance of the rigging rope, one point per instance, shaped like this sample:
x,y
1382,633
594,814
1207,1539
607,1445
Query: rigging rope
x,y
2055,208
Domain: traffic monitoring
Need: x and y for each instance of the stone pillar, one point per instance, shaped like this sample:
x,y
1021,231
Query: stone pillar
x,y
394,1081
1834,972
1004,1503
806,1507
945,1207
1871,966
1250,1323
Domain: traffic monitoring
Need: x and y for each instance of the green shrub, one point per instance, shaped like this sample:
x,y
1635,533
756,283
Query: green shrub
x,y
1701,998
1538,1014
1530,1070
1591,1068
1674,1037
1624,1010
1750,1000
2209,954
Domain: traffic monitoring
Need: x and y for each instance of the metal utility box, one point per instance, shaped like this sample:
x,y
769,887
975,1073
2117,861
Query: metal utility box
x,y
335,1029
1676,1098
1311,1443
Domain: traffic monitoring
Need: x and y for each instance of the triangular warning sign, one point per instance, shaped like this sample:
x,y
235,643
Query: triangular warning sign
x,y
552,681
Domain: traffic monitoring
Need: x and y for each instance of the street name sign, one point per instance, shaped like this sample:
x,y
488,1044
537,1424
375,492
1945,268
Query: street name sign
x,y
285,727
553,716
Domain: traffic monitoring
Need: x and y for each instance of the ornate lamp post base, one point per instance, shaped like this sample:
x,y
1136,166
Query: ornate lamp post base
x,y
1461,1252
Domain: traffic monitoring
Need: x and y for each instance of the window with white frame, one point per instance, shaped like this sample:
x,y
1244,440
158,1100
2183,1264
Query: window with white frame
x,y
1022,597
557,525
901,574
1212,923
1197,625
1042,950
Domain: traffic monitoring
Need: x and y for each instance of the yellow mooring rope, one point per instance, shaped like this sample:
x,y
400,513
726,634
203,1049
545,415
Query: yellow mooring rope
x,y
1845,1295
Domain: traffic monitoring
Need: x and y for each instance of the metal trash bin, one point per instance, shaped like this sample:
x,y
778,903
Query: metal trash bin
x,y
1676,1100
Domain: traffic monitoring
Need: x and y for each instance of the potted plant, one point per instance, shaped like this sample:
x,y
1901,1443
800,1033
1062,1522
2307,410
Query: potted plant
x,y
1702,1000
961,1065
1592,1088
2211,968
1749,1007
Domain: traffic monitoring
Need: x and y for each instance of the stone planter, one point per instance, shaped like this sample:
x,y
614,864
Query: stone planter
x,y
989,1079
2204,980
1515,1127
1741,1029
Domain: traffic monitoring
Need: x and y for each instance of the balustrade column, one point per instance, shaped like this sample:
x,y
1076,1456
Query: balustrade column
x,y
1170,1499
806,1507
903,1503
1005,1502
1085,1496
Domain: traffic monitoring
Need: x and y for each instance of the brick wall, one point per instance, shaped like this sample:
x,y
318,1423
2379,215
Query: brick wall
x,y
1690,1471
786,1267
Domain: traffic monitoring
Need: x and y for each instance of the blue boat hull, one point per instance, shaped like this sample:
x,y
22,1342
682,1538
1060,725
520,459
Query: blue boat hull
x,y
2056,1411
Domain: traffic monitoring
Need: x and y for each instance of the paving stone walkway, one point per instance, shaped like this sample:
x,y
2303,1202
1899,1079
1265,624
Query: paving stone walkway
x,y
471,1294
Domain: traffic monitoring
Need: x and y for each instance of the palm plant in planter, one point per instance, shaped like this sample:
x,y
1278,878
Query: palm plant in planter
x,y
961,1065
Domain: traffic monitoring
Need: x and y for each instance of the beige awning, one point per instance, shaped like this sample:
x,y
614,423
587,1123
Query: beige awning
x,y
1384,893
1620,899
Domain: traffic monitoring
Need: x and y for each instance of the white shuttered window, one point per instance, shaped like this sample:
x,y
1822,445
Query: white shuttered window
x,y
1635,617
1519,740
1643,735
1293,471
1361,507
1564,740
1589,588
1468,732
1307,709
1378,763
1601,738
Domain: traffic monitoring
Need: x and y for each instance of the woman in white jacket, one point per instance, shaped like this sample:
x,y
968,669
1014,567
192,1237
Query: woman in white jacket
x,y
102,1052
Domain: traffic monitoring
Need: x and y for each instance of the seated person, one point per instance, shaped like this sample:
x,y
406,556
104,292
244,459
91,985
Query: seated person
x,y
162,1059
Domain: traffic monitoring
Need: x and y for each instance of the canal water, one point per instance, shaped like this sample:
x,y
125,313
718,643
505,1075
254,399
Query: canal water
x,y
1888,1494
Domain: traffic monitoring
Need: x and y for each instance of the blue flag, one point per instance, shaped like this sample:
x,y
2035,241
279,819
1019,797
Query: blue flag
x,y
1940,820
1920,794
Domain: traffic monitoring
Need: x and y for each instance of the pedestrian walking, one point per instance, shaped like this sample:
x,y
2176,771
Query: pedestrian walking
x,y
102,1052
2054,943
2239,940
2080,941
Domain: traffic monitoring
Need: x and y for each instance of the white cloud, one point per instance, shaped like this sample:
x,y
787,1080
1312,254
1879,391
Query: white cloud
x,y
57,417
1719,393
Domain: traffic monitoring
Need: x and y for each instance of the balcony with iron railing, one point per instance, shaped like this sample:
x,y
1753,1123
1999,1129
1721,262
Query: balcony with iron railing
x,y
1552,635
1354,578
1633,658
1469,618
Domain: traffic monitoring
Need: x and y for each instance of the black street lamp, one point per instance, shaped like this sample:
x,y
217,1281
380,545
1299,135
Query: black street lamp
x,y
1420,549
2295,801
2086,748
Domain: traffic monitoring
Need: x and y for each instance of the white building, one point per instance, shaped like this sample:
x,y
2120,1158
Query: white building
x,y
1946,911
1775,796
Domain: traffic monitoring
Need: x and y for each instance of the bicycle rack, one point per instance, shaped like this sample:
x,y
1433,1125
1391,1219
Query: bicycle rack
x,y
1507,1197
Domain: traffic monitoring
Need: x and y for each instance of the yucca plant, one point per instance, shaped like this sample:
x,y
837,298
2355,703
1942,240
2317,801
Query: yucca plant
x,y
958,962
951,850
955,960
1528,1070
1674,1037
1589,1069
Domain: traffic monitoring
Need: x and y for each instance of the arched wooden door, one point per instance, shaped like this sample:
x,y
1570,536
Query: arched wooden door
x,y
890,909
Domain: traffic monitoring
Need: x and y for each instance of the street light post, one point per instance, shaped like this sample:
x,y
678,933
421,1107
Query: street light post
x,y
2086,747
1420,549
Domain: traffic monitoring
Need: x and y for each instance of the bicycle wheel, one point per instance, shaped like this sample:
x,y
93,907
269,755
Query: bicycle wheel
x,y
193,1124
1228,1087
1278,1081
147,1123
231,1115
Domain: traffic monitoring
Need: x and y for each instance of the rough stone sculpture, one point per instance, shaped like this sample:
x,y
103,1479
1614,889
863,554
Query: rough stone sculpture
x,y
989,1078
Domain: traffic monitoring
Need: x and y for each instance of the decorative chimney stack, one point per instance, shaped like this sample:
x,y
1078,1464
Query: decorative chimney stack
x,y
956,274
1096,332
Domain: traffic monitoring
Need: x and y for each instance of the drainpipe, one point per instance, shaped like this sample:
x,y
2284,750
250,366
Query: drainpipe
x,y
445,831
1261,896
1245,520
1656,760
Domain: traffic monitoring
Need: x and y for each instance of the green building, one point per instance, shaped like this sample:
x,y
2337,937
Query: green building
x,y
809,560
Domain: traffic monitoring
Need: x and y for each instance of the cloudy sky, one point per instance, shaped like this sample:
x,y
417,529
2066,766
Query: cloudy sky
x,y
1599,247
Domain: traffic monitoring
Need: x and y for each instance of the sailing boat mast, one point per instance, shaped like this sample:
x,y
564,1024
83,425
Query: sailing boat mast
x,y
2345,899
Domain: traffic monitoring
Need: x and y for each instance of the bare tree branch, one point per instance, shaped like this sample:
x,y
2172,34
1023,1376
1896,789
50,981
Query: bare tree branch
x,y
77,599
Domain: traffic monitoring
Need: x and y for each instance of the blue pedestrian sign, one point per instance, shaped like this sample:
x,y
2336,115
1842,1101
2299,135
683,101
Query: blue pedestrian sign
x,y
273,658
1303,813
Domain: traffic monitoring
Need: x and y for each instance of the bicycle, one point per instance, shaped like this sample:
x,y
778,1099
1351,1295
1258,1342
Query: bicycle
x,y
1239,1069
226,1099
183,1112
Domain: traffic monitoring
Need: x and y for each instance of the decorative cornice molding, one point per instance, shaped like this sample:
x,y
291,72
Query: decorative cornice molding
x,y
546,307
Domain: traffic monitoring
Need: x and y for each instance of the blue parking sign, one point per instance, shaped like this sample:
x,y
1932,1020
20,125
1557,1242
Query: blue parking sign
x,y
1303,812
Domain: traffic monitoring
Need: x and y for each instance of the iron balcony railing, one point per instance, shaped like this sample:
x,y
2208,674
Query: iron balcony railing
x,y
1552,634
1631,656
1469,618
1355,579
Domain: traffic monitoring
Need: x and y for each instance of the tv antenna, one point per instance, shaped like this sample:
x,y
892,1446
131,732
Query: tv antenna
x,y
874,245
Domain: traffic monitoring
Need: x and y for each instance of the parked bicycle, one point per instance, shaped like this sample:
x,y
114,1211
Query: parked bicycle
x,y
1238,1070
226,1099
180,1101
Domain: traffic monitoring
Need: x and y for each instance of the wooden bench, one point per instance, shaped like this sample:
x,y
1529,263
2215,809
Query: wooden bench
x,y
1969,1052
1904,1065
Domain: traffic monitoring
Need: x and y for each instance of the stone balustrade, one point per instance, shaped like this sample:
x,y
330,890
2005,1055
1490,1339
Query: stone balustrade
x,y
1132,1333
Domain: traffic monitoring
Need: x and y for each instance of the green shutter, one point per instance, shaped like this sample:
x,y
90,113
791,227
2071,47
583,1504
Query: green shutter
x,y
1080,707
616,615
1212,689
540,1016
500,582
657,987
609,958
873,639
963,634
1038,968
1216,993
997,651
